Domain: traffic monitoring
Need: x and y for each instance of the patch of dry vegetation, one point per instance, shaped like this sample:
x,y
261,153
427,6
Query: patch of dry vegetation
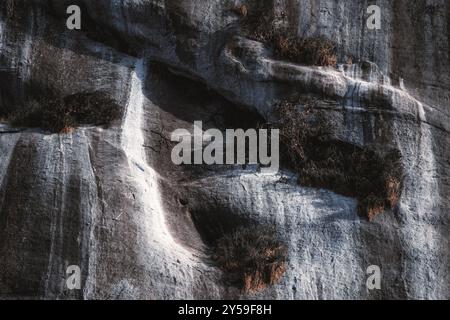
x,y
317,51
258,24
241,10
254,255
371,176
251,254
62,115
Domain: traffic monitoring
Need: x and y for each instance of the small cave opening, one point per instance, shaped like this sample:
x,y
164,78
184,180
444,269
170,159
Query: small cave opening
x,y
251,254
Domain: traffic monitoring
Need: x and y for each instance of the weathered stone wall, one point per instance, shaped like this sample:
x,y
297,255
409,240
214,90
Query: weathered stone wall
x,y
110,200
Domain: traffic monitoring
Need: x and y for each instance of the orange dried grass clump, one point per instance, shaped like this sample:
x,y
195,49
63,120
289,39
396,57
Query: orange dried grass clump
x,y
254,254
370,175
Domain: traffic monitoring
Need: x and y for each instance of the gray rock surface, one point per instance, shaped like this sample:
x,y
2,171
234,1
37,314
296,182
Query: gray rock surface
x,y
110,200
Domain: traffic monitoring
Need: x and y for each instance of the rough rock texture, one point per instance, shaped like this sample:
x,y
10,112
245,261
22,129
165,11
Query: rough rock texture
x,y
111,201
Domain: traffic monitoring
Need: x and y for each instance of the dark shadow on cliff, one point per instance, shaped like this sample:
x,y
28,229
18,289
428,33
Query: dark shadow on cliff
x,y
180,102
371,175
250,253
62,115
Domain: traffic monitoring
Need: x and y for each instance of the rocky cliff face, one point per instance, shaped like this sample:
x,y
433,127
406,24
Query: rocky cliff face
x,y
109,199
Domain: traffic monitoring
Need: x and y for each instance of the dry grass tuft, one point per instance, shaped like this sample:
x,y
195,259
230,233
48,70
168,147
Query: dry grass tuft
x,y
371,206
241,10
317,51
62,115
254,255
372,177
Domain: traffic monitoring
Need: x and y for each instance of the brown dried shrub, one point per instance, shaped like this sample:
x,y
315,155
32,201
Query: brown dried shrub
x,y
241,10
254,255
393,189
258,24
371,176
314,51
372,206
317,51
62,115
